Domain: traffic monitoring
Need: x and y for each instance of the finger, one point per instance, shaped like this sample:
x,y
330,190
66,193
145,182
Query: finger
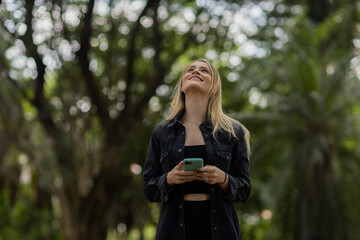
x,y
202,170
208,180
179,167
200,178
211,169
184,179
203,176
189,175
206,170
205,167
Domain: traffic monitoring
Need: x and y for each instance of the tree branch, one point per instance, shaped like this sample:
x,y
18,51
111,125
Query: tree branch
x,y
157,37
112,38
39,100
130,120
4,69
131,56
92,87
160,71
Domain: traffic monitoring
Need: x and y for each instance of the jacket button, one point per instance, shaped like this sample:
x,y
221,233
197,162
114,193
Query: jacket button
x,y
215,228
214,211
180,206
180,150
181,224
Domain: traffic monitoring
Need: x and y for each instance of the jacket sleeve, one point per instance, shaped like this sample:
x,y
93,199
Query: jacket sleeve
x,y
154,178
239,179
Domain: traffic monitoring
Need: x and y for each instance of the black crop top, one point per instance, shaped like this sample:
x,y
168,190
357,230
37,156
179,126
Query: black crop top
x,y
197,151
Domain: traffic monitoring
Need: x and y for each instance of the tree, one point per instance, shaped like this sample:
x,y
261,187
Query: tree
x,y
305,104
88,72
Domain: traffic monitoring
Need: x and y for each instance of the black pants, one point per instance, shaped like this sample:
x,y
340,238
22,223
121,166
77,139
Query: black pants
x,y
197,220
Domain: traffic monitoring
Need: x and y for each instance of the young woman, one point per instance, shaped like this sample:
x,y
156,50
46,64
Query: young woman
x,y
198,204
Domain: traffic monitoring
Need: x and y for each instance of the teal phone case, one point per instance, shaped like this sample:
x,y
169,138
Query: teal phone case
x,y
192,164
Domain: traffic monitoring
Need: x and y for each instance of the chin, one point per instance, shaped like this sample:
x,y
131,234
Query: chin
x,y
195,90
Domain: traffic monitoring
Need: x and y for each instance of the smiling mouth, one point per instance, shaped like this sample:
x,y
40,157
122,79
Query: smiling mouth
x,y
195,78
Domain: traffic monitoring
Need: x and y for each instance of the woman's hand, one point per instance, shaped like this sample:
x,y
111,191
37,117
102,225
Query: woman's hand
x,y
178,176
211,174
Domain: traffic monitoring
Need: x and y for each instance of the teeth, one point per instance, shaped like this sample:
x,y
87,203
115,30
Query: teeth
x,y
195,78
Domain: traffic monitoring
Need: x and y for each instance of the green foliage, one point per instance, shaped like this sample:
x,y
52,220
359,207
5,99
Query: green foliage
x,y
255,229
309,115
289,77
26,219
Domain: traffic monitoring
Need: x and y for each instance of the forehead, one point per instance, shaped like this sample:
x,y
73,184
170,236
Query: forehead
x,y
198,64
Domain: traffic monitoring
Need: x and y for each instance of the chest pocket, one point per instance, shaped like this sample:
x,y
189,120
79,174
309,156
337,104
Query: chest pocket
x,y
223,158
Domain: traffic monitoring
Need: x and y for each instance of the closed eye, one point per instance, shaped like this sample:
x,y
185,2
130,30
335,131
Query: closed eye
x,y
202,69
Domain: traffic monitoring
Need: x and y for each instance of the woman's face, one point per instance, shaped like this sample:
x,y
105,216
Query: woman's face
x,y
197,78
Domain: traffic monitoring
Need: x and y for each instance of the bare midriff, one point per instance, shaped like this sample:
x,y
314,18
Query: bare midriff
x,y
196,197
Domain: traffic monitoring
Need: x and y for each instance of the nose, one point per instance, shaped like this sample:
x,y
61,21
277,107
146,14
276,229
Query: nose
x,y
196,70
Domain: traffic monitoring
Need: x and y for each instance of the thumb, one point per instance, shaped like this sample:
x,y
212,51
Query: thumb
x,y
180,166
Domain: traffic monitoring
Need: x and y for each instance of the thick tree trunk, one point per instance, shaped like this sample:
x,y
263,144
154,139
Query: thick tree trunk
x,y
321,220
319,205
83,216
87,223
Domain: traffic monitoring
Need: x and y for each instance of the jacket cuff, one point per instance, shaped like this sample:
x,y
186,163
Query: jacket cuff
x,y
238,190
232,186
163,189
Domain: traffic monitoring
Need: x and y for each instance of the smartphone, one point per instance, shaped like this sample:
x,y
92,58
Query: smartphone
x,y
192,164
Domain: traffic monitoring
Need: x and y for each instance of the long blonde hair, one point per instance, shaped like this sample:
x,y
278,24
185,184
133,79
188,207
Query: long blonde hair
x,y
218,118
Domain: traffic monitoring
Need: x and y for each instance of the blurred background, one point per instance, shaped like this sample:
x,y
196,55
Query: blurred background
x,y
82,84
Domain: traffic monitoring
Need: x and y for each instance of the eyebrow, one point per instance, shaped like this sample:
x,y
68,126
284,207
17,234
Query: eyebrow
x,y
202,67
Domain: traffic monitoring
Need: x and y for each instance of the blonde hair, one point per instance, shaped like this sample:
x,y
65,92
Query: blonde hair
x,y
218,118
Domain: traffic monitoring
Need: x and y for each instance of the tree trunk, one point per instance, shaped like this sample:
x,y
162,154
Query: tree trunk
x,y
83,213
319,205
83,216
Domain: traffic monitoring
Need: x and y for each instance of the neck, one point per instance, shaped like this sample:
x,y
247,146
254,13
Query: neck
x,y
196,108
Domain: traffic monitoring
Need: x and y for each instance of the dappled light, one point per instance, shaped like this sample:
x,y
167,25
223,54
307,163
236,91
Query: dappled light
x,y
83,84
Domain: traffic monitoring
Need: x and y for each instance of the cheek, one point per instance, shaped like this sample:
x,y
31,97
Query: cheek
x,y
183,80
208,80
182,83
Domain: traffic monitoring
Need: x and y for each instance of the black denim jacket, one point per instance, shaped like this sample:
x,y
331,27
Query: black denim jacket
x,y
166,150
